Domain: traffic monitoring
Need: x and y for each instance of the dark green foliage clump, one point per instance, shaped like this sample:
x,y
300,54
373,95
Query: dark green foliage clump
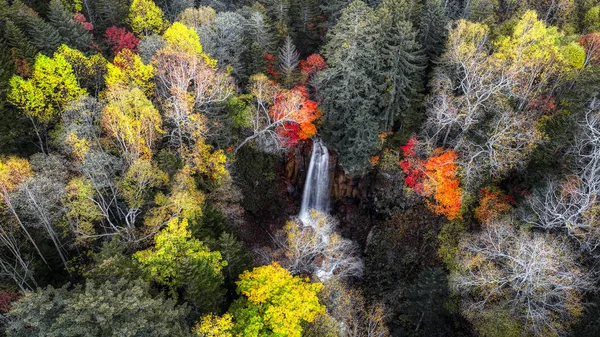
x,y
114,308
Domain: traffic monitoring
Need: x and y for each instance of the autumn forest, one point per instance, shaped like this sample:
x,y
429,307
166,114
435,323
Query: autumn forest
x,y
289,168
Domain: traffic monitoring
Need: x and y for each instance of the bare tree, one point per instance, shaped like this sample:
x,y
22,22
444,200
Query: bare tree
x,y
571,204
509,142
314,247
40,198
531,277
188,87
349,307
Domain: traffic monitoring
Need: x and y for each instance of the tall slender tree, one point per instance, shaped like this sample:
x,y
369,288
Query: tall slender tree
x,y
350,86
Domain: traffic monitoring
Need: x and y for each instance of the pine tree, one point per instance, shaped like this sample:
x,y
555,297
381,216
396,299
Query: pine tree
x,y
71,32
333,9
432,29
403,60
42,34
309,25
288,61
260,39
228,42
350,87
18,43
108,13
278,10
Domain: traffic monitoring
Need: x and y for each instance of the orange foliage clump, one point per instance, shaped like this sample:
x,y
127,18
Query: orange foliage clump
x,y
591,44
301,111
442,182
492,202
314,63
435,177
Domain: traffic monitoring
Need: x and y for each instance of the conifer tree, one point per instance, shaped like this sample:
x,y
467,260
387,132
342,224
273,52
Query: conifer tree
x,y
432,29
260,39
18,43
108,13
288,61
333,9
42,35
71,32
309,25
402,58
350,86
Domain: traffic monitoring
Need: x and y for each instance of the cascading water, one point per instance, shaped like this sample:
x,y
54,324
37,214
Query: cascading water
x,y
316,187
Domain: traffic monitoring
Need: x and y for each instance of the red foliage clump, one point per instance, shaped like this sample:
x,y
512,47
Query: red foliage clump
x,y
314,63
435,177
82,20
442,182
6,300
119,39
295,106
271,66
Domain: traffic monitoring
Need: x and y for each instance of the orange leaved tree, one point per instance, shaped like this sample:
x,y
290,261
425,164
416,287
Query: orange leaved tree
x,y
435,177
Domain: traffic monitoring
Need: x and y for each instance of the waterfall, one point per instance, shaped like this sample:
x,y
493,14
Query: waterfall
x,y
316,187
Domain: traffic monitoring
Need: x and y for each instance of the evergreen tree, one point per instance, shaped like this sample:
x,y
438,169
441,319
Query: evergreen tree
x,y
111,309
260,39
278,10
432,29
333,9
288,61
309,25
108,13
19,45
350,87
42,34
228,42
71,32
401,54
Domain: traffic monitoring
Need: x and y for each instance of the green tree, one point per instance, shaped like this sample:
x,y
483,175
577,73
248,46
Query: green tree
x,y
432,29
260,39
179,261
350,87
46,94
43,35
145,17
18,44
71,32
112,309
403,63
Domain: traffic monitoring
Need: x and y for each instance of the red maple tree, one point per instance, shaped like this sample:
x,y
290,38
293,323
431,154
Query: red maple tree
x,y
119,39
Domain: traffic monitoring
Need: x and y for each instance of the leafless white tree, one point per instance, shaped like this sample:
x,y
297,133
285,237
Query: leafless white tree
x,y
533,276
188,87
314,247
571,204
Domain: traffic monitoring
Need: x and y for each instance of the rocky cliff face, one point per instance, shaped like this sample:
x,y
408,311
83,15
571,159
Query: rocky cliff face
x,y
343,185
